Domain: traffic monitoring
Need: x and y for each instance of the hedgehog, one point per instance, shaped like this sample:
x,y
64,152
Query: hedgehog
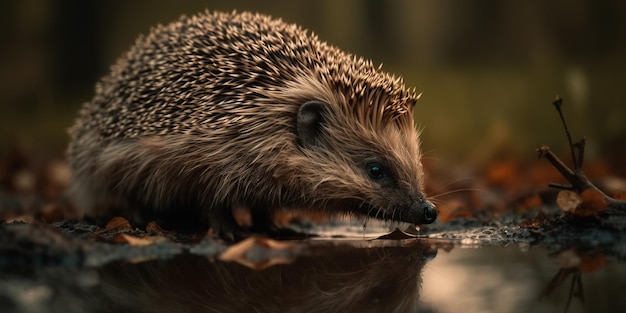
x,y
220,111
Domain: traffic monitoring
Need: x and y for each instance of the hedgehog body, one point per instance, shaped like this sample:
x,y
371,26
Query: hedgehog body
x,y
225,110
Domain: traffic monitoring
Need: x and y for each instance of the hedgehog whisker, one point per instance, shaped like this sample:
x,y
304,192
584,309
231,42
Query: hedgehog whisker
x,y
455,191
453,182
370,208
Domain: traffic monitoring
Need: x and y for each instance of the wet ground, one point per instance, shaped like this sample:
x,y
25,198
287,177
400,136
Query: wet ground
x,y
461,266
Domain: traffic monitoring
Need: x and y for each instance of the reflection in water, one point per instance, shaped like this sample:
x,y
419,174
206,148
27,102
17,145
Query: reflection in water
x,y
576,287
329,278
498,279
335,276
574,263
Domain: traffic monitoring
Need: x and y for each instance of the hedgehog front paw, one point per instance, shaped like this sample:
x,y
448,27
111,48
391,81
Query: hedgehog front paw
x,y
230,236
224,226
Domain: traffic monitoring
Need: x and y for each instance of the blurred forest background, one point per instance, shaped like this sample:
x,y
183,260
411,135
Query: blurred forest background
x,y
488,69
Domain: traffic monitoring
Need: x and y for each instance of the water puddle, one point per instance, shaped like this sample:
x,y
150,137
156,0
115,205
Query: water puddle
x,y
510,279
329,275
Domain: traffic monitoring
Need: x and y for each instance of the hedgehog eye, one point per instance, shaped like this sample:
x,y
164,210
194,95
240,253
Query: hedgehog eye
x,y
376,170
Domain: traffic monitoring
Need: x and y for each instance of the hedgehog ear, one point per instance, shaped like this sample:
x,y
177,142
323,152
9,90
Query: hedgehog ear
x,y
309,122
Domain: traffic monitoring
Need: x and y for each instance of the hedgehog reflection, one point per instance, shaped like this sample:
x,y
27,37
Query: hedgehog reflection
x,y
338,278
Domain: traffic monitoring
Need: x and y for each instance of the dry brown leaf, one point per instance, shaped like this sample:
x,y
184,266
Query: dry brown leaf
x,y
260,252
593,202
568,200
117,224
155,229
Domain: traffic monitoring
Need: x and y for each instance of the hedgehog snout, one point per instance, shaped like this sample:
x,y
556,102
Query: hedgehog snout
x,y
424,210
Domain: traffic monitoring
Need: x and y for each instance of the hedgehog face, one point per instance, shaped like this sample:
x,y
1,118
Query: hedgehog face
x,y
374,170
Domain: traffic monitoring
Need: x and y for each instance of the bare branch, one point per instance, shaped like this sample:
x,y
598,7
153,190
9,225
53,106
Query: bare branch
x,y
557,104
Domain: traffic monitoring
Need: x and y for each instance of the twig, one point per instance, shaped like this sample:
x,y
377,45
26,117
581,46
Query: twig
x,y
559,186
570,176
579,182
575,290
580,146
557,104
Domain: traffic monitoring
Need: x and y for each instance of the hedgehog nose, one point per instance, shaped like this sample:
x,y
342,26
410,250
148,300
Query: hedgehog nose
x,y
429,212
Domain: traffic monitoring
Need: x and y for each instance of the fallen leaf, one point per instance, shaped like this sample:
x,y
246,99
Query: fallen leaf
x,y
593,202
568,200
155,229
260,252
117,224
